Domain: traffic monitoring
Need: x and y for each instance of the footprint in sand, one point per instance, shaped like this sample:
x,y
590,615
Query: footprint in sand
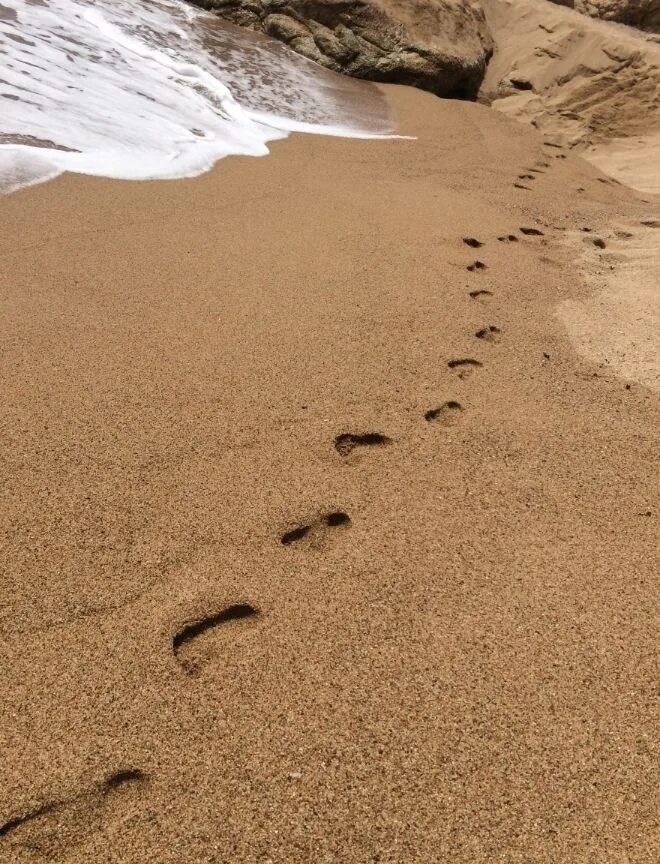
x,y
508,238
520,186
481,293
190,643
532,232
526,177
472,242
447,413
464,366
54,829
348,441
489,334
334,519
521,84
475,266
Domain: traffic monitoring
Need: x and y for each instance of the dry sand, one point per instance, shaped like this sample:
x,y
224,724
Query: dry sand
x,y
618,324
580,81
465,671
634,160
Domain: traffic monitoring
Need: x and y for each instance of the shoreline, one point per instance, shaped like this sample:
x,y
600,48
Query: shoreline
x,y
452,657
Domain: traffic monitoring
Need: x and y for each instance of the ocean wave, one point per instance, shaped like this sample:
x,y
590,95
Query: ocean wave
x,y
155,89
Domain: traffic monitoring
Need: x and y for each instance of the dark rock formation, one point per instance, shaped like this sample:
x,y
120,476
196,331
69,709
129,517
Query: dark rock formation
x,y
438,45
644,14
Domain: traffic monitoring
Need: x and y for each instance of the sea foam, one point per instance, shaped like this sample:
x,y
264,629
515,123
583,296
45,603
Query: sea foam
x,y
155,89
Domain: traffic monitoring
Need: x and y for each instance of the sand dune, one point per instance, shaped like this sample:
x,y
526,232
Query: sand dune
x,y
578,80
321,542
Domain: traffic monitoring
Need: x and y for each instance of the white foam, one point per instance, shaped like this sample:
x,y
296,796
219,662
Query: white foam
x,y
154,89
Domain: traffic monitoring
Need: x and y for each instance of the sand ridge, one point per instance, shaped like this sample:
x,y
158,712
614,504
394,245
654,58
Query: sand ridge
x,y
452,658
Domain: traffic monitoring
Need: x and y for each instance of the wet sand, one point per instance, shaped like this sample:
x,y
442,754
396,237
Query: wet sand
x,y
228,636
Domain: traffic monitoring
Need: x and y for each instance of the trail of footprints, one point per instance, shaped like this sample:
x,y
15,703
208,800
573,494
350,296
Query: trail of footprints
x,y
50,828
447,413
491,333
529,175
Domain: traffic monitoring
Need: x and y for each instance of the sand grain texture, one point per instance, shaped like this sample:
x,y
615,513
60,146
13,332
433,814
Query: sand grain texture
x,y
463,669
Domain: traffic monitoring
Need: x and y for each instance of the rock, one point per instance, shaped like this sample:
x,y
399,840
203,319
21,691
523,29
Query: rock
x,y
438,45
644,14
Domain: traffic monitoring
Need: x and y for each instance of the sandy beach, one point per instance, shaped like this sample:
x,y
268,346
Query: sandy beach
x,y
324,539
